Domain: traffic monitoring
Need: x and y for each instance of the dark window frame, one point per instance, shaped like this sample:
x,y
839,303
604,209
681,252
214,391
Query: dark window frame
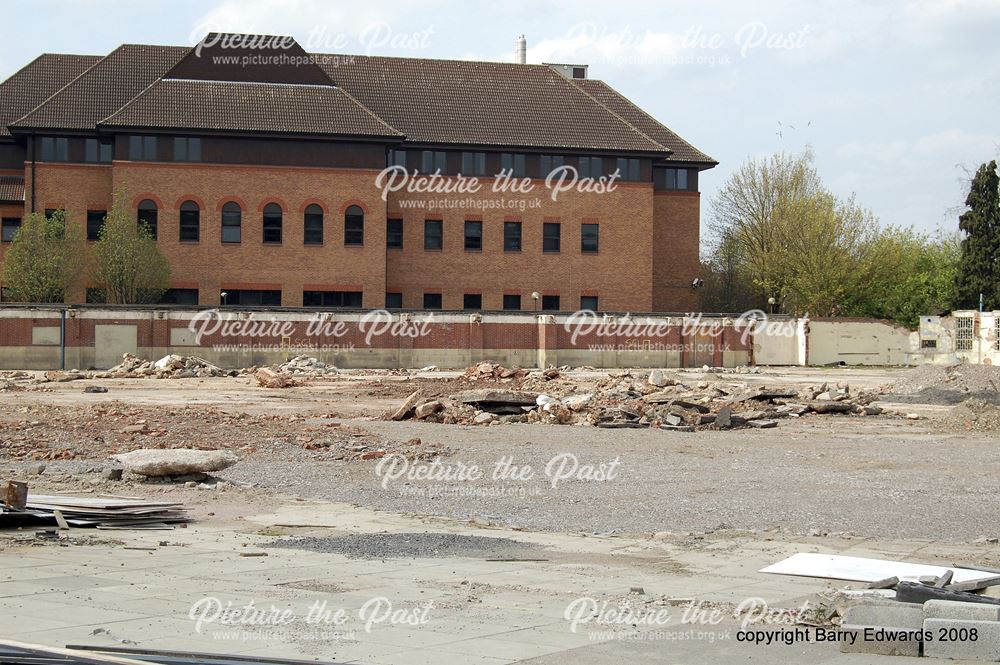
x,y
551,242
54,149
513,164
472,301
335,299
394,233
433,161
511,239
272,222
473,242
147,212
433,295
354,226
430,224
96,151
509,299
9,226
232,218
548,301
394,295
474,164
185,223
187,149
586,305
95,223
592,231
312,225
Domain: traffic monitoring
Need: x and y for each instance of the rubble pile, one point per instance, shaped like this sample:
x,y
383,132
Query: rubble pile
x,y
167,367
487,371
633,400
306,366
949,385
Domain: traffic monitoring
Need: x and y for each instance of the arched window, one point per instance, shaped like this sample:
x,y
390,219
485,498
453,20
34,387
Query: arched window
x,y
147,216
190,226
313,225
272,224
232,220
354,226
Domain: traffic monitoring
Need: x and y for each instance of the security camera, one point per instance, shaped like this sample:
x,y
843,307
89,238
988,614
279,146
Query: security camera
x,y
698,282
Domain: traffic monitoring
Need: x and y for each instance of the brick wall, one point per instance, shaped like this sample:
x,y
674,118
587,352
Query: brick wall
x,y
647,258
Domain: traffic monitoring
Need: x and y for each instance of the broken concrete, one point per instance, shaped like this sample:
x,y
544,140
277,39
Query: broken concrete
x,y
175,462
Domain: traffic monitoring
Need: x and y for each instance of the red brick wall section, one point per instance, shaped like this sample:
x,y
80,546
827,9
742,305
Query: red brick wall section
x,y
676,223
620,271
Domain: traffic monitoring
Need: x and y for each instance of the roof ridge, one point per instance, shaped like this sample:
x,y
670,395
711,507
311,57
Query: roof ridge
x,y
652,118
405,57
614,113
73,80
368,110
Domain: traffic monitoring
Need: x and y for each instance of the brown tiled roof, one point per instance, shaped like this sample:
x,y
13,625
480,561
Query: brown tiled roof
x,y
645,123
424,101
12,188
36,82
483,103
104,88
249,107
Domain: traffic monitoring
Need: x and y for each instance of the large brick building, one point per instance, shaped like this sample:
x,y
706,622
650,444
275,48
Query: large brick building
x,y
258,166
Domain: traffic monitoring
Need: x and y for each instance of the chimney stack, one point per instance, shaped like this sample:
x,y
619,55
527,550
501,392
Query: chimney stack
x,y
521,50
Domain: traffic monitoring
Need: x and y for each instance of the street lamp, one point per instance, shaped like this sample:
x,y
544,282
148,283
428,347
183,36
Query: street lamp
x,y
223,294
536,297
772,302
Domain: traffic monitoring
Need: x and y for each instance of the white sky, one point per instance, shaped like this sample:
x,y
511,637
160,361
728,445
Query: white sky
x,y
899,99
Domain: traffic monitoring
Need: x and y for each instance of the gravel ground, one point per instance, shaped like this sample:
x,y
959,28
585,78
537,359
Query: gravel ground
x,y
410,545
885,477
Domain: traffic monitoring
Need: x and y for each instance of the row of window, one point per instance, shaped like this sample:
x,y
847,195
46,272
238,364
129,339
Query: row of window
x,y
354,228
516,164
140,148
348,299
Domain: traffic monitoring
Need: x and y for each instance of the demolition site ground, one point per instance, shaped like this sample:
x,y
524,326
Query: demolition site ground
x,y
504,495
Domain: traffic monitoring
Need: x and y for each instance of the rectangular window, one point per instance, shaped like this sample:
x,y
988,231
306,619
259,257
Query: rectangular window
x,y
676,179
55,149
512,236
433,234
473,236
394,233
272,228
511,301
251,298
142,148
432,301
628,169
8,228
550,303
50,213
474,163
589,238
350,299
397,158
472,301
549,163
512,164
179,297
187,149
588,302
550,236
95,222
393,300
96,152
433,160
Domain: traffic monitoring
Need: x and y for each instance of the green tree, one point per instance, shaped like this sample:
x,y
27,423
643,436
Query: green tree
x,y
45,260
978,270
127,264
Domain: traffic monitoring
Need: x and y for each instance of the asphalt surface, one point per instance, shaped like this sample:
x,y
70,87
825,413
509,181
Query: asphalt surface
x,y
878,476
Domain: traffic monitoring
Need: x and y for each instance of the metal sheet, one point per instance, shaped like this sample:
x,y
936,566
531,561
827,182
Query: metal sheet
x,y
858,569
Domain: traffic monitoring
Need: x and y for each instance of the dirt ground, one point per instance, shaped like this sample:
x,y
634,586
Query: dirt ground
x,y
888,475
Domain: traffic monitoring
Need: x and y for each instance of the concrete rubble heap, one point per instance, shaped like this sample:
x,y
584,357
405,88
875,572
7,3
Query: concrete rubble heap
x,y
630,400
168,367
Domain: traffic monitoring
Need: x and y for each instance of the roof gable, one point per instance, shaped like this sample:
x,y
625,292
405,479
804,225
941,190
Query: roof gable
x,y
36,82
249,59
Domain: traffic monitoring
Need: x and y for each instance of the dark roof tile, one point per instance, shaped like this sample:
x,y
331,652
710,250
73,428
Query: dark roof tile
x,y
37,81
12,188
249,107
645,123
483,103
104,88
